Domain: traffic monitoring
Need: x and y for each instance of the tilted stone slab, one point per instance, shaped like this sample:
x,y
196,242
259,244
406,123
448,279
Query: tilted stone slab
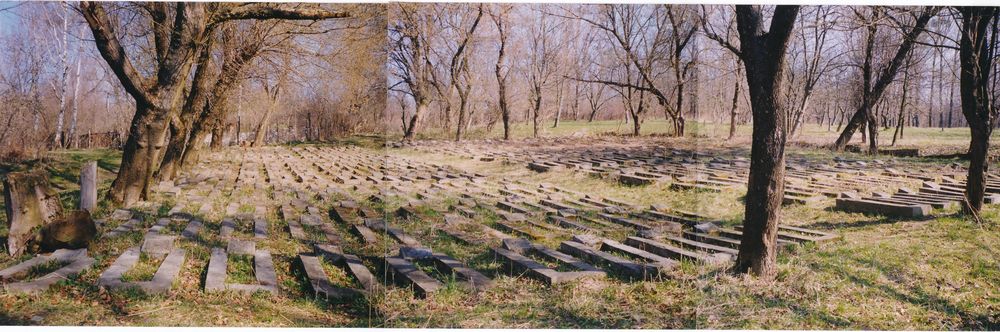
x,y
516,263
320,282
126,227
617,264
883,208
696,245
405,273
227,229
192,230
157,244
121,214
267,279
240,247
350,262
366,234
296,230
396,233
162,280
674,252
472,279
76,261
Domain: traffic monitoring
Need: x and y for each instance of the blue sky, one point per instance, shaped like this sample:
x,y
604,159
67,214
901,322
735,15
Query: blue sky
x,y
8,18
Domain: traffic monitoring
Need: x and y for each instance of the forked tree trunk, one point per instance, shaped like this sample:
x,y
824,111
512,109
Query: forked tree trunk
x,y
763,55
976,58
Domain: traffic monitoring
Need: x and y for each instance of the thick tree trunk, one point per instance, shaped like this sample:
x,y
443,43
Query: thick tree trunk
x,y
763,55
975,189
218,133
174,151
139,156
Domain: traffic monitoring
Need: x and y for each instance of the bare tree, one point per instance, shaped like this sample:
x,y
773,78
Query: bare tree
x,y
176,41
273,90
873,87
459,70
499,13
763,55
542,49
651,36
409,60
977,51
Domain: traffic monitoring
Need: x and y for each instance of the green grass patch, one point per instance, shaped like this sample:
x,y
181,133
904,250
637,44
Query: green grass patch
x,y
240,270
144,269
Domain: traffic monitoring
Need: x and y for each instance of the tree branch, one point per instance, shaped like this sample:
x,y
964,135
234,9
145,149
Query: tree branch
x,y
267,11
113,52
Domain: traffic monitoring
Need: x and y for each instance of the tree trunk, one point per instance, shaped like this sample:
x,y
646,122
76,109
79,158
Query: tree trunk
x,y
60,141
179,133
763,55
74,142
419,110
462,105
559,109
31,204
258,139
139,155
733,108
218,133
976,59
537,108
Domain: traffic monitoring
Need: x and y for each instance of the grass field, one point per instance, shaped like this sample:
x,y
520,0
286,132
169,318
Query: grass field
x,y
885,273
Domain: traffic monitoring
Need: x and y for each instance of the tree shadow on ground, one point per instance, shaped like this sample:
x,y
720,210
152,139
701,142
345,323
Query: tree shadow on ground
x,y
7,319
880,220
917,295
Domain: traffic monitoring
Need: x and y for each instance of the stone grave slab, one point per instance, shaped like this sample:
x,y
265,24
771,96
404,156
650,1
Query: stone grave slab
x,y
75,262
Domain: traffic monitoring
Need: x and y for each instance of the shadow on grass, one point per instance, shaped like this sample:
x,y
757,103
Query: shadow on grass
x,y
8,319
880,220
918,296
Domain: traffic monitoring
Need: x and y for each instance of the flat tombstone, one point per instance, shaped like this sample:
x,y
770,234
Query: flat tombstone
x,y
239,247
157,244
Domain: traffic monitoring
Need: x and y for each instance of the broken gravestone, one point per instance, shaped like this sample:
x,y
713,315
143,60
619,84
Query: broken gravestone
x,y
36,218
